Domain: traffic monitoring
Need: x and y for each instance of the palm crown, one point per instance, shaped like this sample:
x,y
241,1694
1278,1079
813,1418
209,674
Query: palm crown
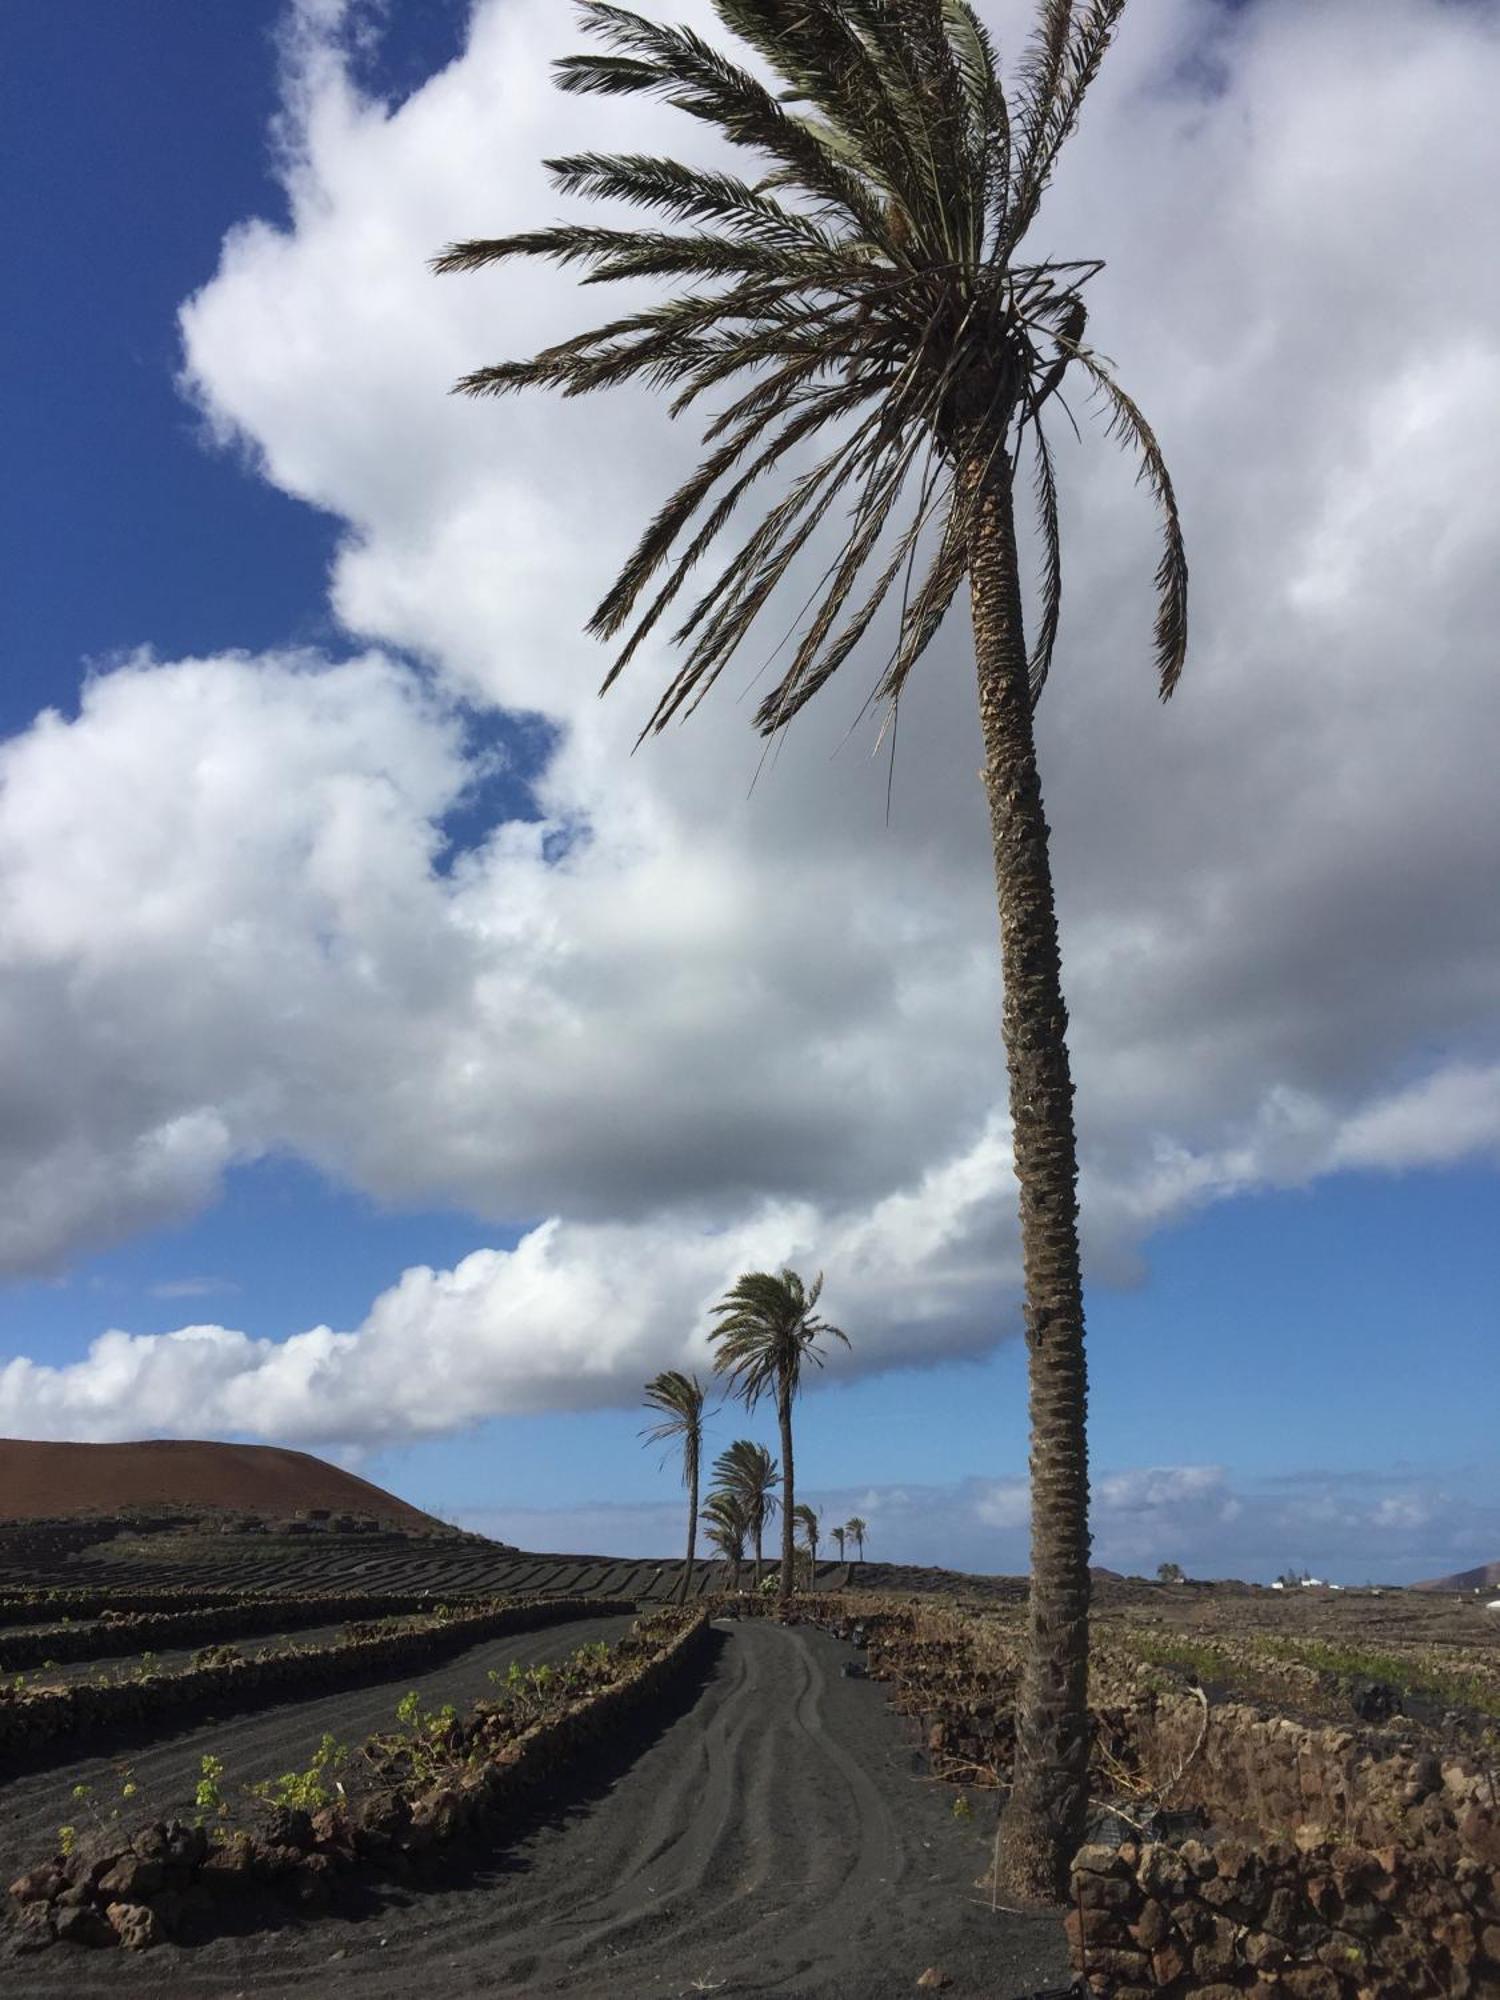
x,y
864,291
767,1327
677,1401
679,1398
749,1472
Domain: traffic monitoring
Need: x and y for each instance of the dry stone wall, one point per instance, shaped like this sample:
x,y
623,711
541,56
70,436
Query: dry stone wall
x,y
32,1721
128,1631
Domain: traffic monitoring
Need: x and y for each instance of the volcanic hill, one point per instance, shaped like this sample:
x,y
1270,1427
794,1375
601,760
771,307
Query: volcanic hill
x,y
1486,1577
58,1481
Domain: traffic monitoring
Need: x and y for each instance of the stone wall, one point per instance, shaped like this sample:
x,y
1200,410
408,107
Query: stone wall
x,y
35,1721
1283,1921
1358,1865
157,1630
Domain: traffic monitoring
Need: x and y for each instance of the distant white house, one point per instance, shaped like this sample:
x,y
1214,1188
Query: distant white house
x,y
1493,1605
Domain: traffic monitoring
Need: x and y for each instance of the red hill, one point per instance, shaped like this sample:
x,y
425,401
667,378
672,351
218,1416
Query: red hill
x,y
52,1482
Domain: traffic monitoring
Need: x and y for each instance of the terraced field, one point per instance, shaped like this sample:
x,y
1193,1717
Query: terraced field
x,y
166,1766
779,1836
776,1827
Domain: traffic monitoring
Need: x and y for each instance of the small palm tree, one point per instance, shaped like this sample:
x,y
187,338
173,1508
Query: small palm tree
x,y
810,1522
767,1328
838,1535
856,1530
862,293
750,1471
679,1398
726,1526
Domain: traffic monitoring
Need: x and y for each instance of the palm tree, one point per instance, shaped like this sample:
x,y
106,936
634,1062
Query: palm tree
x,y
863,289
856,1529
809,1521
726,1525
750,1471
767,1327
838,1535
680,1400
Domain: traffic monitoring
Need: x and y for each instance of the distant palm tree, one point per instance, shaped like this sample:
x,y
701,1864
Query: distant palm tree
x,y
838,1535
766,1329
680,1399
810,1522
861,292
750,1471
725,1526
856,1530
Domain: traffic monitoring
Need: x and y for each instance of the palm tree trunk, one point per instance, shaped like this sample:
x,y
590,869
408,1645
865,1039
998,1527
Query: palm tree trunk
x,y
760,1528
788,1494
687,1574
1042,1825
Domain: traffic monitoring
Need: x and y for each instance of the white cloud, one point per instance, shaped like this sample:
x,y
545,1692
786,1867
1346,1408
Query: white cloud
x,y
670,1007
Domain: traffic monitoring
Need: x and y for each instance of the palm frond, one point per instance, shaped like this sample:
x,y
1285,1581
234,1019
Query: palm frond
x,y
1044,486
1052,116
853,307
1127,424
679,66
688,194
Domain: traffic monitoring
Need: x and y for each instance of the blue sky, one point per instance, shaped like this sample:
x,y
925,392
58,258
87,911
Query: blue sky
x,y
1302,1355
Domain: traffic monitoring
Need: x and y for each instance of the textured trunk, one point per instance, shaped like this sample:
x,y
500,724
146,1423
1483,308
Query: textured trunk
x,y
1042,1825
687,1575
760,1529
788,1495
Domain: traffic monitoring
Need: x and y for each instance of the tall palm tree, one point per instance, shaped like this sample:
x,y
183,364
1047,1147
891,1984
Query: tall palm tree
x,y
839,1535
680,1399
863,289
750,1471
857,1529
810,1522
767,1327
726,1524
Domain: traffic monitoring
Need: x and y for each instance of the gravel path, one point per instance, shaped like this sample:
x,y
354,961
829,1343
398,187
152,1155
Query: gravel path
x,y
777,1837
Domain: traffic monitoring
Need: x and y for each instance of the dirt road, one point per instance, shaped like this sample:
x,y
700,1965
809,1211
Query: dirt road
x,y
778,1837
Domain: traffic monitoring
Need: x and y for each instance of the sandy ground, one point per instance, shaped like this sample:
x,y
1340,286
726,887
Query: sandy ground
x,y
780,1836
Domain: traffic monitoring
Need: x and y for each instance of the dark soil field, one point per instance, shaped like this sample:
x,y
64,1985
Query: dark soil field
x,y
781,1836
165,1769
776,1830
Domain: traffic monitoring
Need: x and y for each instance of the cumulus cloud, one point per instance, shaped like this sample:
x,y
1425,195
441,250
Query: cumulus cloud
x,y
673,1021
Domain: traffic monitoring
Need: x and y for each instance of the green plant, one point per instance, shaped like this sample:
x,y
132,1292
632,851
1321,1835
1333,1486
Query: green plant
x,y
208,1795
309,1789
67,1839
961,1807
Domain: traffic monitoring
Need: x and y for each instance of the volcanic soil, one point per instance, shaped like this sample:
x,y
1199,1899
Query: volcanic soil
x,y
780,1835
